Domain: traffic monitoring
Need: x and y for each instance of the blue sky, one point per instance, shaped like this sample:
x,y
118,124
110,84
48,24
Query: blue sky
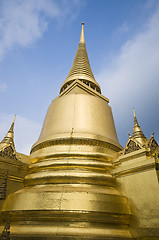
x,y
39,40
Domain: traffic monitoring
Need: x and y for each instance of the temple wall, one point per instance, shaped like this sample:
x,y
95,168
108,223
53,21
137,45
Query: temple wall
x,y
17,170
137,176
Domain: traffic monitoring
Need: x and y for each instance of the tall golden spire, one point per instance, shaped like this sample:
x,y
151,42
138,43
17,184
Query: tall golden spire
x,y
137,132
81,67
82,39
8,140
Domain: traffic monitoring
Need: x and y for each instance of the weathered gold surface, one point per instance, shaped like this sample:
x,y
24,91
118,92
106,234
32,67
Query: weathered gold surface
x,y
137,174
136,170
83,118
69,192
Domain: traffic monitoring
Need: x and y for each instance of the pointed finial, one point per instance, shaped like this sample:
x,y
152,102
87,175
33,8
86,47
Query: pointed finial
x,y
129,134
135,119
12,126
82,39
14,118
153,134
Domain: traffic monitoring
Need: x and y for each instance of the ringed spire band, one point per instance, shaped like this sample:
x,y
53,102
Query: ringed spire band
x,y
137,132
81,69
8,140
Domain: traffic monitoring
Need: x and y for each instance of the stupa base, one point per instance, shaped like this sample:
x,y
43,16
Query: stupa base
x,y
65,232
58,211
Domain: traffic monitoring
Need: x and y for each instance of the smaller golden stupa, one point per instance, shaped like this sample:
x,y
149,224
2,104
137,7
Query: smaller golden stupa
x,y
13,169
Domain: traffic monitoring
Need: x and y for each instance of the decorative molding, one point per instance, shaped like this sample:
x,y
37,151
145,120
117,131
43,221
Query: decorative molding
x,y
8,152
84,87
75,141
134,170
131,146
13,178
152,144
9,162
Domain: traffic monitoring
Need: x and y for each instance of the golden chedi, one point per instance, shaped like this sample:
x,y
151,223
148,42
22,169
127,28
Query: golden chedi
x,y
69,192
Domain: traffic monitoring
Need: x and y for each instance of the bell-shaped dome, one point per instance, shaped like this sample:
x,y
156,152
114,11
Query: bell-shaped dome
x,y
79,113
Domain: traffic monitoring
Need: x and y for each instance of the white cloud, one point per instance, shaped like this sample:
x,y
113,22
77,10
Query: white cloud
x,y
22,22
124,28
3,87
132,79
26,131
